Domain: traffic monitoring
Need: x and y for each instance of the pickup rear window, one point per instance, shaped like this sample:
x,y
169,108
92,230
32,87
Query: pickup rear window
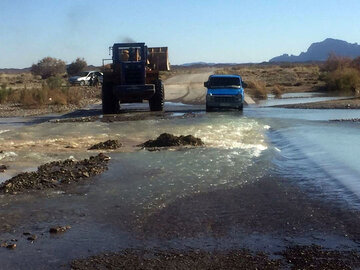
x,y
224,81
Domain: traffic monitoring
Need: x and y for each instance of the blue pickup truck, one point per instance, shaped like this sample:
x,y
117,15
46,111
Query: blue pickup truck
x,y
224,91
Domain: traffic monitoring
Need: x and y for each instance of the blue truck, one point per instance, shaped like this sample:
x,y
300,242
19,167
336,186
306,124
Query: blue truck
x,y
224,91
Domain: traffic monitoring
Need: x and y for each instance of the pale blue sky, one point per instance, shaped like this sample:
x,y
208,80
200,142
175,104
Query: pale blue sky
x,y
206,30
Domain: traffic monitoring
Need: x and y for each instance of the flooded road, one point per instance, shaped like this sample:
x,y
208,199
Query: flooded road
x,y
266,177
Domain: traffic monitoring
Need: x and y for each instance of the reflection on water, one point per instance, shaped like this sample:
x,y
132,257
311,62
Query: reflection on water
x,y
296,98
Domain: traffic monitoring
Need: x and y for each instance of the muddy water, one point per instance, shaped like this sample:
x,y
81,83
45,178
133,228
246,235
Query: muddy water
x,y
189,197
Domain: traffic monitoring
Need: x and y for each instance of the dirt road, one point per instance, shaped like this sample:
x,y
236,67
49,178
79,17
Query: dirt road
x,y
187,88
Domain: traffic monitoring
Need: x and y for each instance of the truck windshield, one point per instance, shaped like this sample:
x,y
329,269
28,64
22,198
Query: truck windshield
x,y
224,81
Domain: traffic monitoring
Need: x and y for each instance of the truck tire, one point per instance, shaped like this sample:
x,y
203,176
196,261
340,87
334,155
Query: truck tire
x,y
240,108
209,109
156,102
110,104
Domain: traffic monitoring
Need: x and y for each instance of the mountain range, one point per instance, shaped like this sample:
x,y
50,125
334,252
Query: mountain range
x,y
320,51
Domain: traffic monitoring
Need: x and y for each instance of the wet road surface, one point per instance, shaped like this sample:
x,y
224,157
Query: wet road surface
x,y
267,178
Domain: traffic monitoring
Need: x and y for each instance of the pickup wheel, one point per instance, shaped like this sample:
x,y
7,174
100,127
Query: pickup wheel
x,y
209,109
110,104
156,102
240,108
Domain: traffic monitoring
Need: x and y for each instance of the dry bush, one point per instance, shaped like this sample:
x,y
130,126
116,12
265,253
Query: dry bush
x,y
343,80
258,89
57,97
48,67
27,98
356,63
76,67
341,74
335,62
74,95
278,91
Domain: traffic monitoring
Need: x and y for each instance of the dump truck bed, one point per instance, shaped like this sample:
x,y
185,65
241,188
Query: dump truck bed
x,y
158,58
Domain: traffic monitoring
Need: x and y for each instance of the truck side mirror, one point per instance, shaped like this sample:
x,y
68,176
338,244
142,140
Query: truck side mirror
x,y
244,84
206,84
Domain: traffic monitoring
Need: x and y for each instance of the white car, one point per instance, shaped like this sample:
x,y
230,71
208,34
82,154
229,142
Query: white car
x,y
87,78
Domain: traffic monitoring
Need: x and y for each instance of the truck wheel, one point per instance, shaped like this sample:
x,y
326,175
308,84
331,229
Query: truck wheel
x,y
110,104
240,108
82,83
209,109
156,103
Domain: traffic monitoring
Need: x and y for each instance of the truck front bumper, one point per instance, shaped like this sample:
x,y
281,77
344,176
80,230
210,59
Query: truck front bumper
x,y
222,101
134,92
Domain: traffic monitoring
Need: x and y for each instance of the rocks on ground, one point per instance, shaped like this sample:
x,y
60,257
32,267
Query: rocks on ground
x,y
56,174
296,257
316,257
8,245
3,168
107,145
167,140
241,259
59,229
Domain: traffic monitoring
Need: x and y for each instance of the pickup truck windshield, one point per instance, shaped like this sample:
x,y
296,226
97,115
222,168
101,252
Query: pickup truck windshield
x,y
224,81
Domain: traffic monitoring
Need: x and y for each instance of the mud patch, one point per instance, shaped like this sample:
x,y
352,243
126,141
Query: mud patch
x,y
268,206
168,140
55,174
130,259
346,120
107,145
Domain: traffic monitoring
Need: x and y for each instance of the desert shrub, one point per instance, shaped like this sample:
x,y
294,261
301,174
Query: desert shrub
x,y
48,67
4,93
57,97
257,89
335,62
278,90
26,98
54,82
76,67
343,80
356,63
74,95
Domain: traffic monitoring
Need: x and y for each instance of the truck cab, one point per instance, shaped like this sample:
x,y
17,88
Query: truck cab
x,y
134,76
224,91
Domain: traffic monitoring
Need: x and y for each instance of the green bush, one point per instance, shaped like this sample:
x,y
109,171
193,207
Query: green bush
x,y
4,93
55,82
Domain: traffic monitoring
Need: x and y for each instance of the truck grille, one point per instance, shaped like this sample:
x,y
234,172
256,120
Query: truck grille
x,y
225,99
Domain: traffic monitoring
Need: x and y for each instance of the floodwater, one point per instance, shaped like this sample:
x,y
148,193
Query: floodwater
x,y
184,198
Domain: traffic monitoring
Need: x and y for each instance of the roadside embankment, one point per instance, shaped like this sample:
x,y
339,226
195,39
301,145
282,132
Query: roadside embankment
x,y
350,103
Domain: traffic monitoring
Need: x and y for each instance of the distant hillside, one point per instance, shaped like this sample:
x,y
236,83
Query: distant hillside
x,y
320,51
14,70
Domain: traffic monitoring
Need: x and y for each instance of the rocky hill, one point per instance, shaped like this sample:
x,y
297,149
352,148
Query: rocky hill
x,y
320,51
